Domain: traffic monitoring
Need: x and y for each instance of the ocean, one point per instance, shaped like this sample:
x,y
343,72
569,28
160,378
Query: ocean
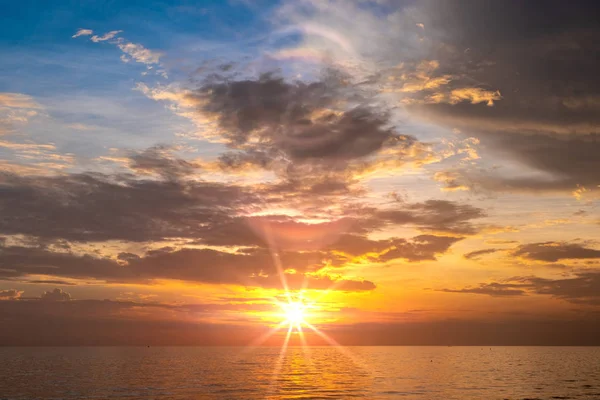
x,y
299,373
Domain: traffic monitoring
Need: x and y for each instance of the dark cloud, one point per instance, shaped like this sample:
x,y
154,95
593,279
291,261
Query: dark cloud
x,y
254,267
536,59
18,261
96,207
583,289
306,187
491,289
299,120
563,163
55,295
418,248
434,215
474,255
51,211
159,160
329,239
554,251
546,116
314,136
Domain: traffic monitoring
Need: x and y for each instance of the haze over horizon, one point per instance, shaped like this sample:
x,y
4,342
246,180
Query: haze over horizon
x,y
415,172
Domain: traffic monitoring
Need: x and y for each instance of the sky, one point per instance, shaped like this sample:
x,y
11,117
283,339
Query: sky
x,y
411,172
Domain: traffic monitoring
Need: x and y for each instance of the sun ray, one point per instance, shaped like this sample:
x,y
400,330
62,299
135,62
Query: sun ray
x,y
305,348
337,346
264,337
294,307
279,362
276,260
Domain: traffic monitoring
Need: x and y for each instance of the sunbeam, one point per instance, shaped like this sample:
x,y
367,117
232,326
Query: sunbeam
x,y
282,352
337,346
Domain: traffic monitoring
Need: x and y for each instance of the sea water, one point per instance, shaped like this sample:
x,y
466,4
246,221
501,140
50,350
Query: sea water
x,y
299,373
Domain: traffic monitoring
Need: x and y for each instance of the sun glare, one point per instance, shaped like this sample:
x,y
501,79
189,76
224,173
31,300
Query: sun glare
x,y
294,312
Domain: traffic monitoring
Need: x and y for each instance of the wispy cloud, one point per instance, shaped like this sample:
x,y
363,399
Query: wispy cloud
x,y
139,53
83,32
132,51
16,108
106,36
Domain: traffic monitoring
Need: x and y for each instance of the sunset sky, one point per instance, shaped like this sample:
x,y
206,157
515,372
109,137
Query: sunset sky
x,y
418,172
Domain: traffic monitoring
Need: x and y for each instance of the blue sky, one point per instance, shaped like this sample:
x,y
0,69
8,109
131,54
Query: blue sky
x,y
40,58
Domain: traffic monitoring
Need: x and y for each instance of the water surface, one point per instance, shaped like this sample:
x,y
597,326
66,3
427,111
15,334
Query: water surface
x,y
313,373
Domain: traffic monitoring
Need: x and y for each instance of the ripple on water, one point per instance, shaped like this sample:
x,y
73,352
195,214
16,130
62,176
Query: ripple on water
x,y
372,373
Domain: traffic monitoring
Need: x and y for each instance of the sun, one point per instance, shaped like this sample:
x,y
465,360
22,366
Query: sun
x,y
294,312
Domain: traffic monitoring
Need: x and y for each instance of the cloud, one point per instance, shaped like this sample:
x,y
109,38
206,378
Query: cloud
x,y
16,108
500,241
23,261
474,255
554,251
298,120
51,282
55,295
96,207
105,37
159,160
552,164
421,77
543,129
345,238
544,121
139,53
583,288
419,248
132,51
451,180
424,83
32,147
82,32
319,137
491,289
45,155
251,267
10,294
471,95
434,215
18,100
181,102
